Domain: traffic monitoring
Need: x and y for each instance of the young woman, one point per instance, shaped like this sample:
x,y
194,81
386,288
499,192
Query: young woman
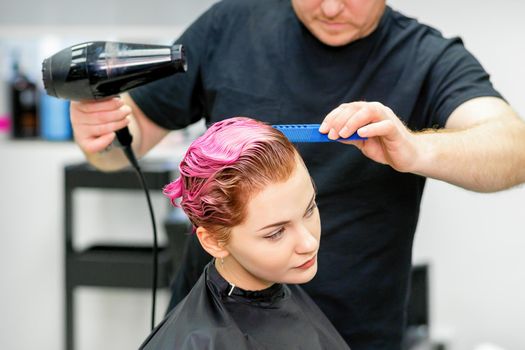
x,y
252,203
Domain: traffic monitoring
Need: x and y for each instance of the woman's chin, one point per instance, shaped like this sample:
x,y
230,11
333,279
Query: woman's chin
x,y
303,276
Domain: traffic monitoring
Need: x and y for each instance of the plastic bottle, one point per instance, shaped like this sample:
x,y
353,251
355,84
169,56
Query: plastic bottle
x,y
54,119
23,106
5,127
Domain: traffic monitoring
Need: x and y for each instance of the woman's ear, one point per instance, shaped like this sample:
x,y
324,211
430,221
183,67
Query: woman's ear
x,y
210,243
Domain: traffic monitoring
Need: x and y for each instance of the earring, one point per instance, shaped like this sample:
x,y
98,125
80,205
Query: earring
x,y
222,263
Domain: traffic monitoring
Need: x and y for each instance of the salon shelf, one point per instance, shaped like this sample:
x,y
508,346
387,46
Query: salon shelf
x,y
118,266
157,175
123,265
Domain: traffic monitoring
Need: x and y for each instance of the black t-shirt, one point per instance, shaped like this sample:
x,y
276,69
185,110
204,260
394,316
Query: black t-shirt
x,y
217,315
256,59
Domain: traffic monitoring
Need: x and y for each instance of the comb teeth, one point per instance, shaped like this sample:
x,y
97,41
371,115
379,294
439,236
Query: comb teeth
x,y
309,133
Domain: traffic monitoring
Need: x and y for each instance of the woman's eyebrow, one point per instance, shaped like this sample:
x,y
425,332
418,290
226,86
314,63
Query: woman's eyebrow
x,y
280,223
312,201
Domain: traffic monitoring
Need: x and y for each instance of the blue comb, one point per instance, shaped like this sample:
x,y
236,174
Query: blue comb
x,y
309,133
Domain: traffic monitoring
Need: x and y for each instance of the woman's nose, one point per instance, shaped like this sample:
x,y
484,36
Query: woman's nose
x,y
307,242
332,8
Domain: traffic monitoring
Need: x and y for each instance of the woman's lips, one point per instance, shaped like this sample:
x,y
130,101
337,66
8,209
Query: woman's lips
x,y
308,264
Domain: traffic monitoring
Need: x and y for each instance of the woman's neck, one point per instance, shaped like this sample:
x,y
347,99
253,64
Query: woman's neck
x,y
237,276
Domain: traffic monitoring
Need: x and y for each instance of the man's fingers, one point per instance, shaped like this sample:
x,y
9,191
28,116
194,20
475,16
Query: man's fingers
x,y
89,131
368,114
347,118
105,116
102,129
339,116
381,128
100,117
98,144
326,125
346,122
96,138
98,106
358,119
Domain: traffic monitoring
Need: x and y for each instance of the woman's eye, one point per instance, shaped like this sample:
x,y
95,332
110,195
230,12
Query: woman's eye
x,y
310,210
275,235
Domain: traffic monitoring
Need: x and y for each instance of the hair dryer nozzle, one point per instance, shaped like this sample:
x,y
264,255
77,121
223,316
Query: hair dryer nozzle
x,y
100,69
46,78
55,70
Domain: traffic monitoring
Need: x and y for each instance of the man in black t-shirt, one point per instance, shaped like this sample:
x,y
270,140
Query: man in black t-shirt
x,y
424,102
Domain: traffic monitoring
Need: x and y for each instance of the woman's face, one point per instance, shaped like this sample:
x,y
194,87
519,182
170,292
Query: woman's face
x,y
279,239
339,22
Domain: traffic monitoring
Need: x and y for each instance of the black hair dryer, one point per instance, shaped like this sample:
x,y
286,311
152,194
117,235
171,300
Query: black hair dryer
x,y
100,69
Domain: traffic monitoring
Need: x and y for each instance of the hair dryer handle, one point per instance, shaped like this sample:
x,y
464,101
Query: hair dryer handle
x,y
124,137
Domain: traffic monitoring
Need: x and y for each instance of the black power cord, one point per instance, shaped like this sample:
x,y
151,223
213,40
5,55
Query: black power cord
x,y
125,139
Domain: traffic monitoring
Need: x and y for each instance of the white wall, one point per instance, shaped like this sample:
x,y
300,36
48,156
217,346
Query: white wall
x,y
474,242
101,12
31,249
31,186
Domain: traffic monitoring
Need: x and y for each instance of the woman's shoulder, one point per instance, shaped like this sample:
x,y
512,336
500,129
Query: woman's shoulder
x,y
199,321
187,325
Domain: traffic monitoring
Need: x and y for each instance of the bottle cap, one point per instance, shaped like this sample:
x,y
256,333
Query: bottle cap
x,y
5,123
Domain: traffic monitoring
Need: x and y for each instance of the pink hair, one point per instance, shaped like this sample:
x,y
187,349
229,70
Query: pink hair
x,y
232,160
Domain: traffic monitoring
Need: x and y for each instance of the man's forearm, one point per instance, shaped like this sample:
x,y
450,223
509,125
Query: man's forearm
x,y
484,158
110,160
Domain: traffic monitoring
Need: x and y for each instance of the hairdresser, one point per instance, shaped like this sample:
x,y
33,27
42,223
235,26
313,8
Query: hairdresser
x,y
425,104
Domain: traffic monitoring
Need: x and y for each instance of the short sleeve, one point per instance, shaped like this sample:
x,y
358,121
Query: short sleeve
x,y
455,77
177,101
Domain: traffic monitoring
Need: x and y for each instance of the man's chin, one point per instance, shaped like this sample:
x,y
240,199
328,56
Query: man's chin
x,y
334,39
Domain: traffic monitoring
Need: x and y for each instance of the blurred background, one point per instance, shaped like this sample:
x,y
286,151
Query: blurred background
x,y
472,243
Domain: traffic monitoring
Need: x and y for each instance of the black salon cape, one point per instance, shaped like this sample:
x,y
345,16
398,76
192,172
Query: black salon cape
x,y
280,317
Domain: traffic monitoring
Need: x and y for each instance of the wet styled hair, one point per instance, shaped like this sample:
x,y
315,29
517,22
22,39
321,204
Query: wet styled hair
x,y
233,160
